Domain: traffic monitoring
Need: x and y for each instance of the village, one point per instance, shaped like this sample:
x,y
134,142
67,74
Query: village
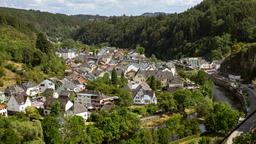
x,y
72,93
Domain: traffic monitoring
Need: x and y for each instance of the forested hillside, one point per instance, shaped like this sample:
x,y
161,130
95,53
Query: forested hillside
x,y
209,29
54,25
241,63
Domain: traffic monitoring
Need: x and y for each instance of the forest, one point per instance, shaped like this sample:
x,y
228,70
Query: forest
x,y
208,29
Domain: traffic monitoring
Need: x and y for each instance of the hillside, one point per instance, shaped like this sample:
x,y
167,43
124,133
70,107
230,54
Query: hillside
x,y
55,25
208,29
242,63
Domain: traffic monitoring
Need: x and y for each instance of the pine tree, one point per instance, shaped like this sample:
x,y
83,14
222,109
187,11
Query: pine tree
x,y
114,79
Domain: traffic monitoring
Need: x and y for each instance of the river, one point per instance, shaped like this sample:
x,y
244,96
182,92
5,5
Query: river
x,y
222,95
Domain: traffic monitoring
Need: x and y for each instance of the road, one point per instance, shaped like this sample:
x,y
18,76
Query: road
x,y
247,125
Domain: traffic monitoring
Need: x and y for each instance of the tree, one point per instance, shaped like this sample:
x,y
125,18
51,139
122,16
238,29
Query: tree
x,y
153,83
75,130
68,43
106,79
33,113
247,138
164,135
222,119
114,79
166,101
43,44
95,134
55,109
51,129
140,49
201,77
204,140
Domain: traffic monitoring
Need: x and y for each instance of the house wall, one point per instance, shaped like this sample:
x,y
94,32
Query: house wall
x,y
84,115
68,105
12,105
23,107
3,112
32,91
46,84
139,78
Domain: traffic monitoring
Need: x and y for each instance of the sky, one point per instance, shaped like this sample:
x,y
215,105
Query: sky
x,y
102,7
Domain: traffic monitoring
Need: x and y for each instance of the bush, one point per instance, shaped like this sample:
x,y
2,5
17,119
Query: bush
x,y
1,83
2,72
11,68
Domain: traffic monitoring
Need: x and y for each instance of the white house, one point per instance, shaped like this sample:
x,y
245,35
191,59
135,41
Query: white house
x,y
81,110
3,110
67,53
145,97
18,103
65,104
46,84
30,88
2,97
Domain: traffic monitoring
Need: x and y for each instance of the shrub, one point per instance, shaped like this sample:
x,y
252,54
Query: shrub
x,y
2,72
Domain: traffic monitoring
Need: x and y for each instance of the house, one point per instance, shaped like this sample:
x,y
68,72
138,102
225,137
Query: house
x,y
65,104
30,88
140,78
89,98
204,65
175,84
71,86
142,93
18,102
164,77
13,90
142,96
3,110
80,109
67,53
93,99
46,84
2,97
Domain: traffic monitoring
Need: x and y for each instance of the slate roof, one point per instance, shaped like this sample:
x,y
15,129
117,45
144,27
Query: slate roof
x,y
79,108
20,98
14,89
50,101
157,74
29,85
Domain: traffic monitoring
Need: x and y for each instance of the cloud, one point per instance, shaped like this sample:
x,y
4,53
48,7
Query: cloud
x,y
102,7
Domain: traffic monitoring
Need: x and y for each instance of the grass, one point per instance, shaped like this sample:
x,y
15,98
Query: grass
x,y
155,121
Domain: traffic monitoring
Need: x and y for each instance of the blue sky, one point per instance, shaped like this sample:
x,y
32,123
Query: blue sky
x,y
102,7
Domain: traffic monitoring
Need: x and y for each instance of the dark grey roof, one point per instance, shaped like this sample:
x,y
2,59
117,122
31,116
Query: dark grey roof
x,y
64,93
50,101
14,90
28,85
79,108
157,74
20,97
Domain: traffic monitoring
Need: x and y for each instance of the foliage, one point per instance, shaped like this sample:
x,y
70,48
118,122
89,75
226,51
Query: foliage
x,y
166,101
2,72
114,79
15,131
207,30
140,49
51,129
119,123
74,130
221,119
43,44
247,138
33,113
55,109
